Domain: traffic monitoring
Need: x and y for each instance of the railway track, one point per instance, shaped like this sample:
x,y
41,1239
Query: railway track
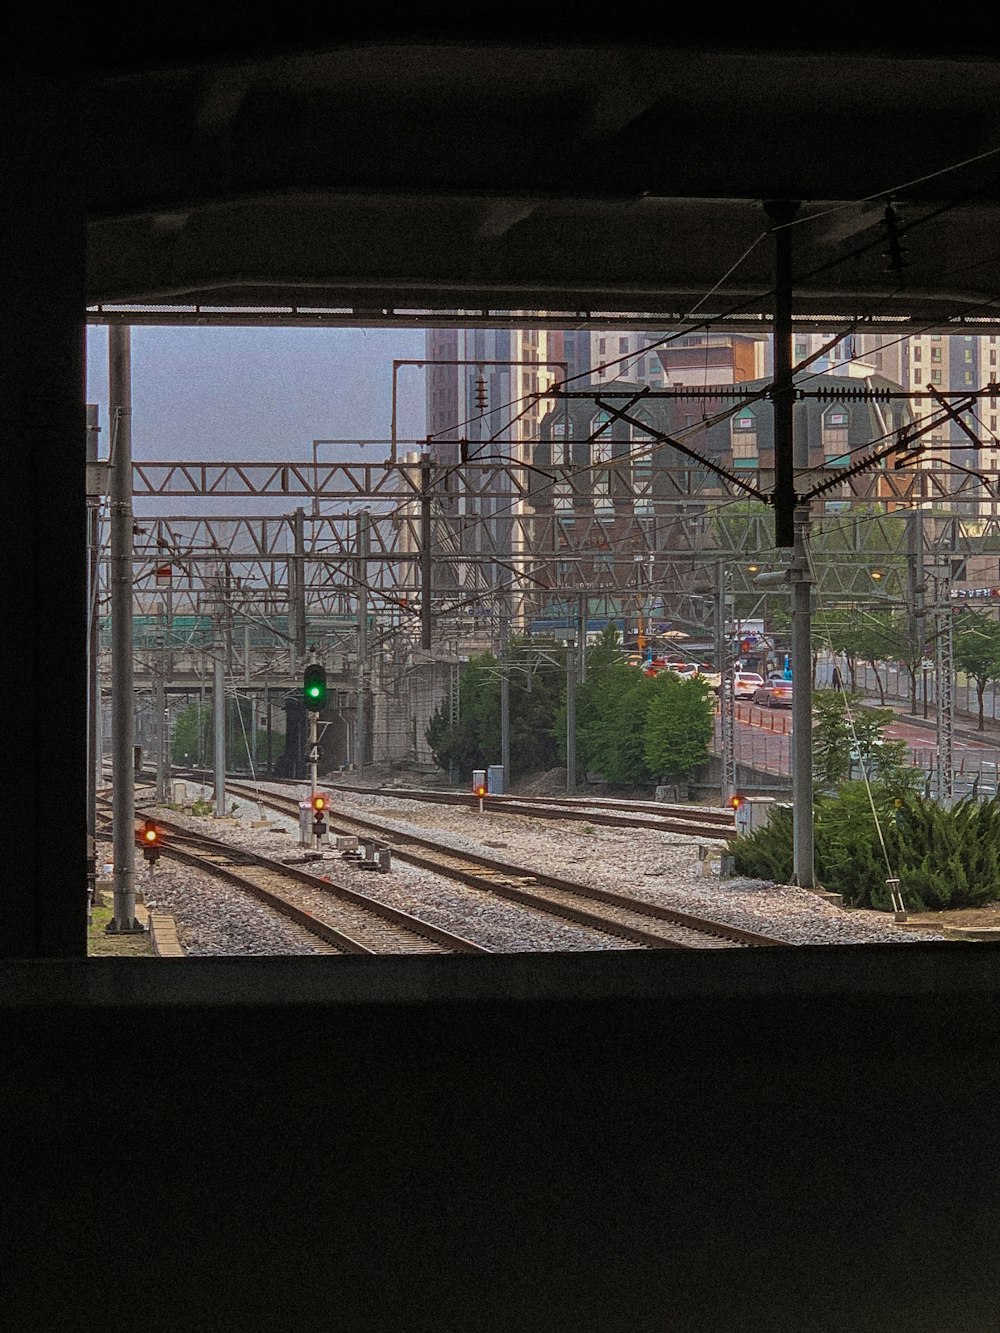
x,y
648,925
346,920
696,821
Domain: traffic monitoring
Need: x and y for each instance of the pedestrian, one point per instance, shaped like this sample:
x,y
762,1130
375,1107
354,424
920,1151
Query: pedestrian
x,y
838,683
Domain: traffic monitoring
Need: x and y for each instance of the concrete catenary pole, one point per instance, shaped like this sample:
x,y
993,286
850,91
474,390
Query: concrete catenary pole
x,y
122,683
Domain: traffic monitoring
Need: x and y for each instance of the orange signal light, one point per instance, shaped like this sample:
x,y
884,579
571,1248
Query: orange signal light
x,y
480,791
319,802
150,840
736,801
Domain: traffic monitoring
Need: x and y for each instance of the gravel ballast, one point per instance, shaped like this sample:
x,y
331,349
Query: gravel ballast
x,y
656,867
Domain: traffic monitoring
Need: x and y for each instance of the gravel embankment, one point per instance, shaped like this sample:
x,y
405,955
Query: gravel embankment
x,y
657,867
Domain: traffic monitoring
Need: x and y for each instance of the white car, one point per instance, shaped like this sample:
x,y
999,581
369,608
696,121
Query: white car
x,y
746,684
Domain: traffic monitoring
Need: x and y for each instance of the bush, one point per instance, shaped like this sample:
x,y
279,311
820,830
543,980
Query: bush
x,y
944,858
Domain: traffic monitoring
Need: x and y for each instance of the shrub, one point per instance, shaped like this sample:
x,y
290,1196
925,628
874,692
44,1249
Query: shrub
x,y
943,858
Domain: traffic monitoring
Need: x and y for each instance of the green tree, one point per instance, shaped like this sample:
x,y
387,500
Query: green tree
x,y
611,720
847,735
193,735
604,659
977,651
536,672
680,721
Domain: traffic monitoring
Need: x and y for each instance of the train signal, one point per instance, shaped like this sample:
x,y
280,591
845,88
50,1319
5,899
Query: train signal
x,y
150,840
319,803
736,800
314,688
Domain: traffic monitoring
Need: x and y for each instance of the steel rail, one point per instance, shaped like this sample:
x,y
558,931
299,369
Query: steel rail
x,y
700,821
526,886
392,927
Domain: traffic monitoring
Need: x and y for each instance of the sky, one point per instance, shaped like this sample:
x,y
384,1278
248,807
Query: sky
x,y
261,393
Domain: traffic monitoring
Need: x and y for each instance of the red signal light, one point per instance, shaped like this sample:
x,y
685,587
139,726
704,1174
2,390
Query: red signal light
x,y
150,840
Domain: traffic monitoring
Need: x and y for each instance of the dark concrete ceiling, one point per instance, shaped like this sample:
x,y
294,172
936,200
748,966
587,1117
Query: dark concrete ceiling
x,y
465,170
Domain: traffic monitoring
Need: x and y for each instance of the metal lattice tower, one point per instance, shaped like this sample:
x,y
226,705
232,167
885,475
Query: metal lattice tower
x,y
945,716
727,700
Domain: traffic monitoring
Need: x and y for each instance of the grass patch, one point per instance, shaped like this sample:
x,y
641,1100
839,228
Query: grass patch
x,y
100,945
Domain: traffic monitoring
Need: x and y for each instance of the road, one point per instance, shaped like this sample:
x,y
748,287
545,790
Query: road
x,y
764,739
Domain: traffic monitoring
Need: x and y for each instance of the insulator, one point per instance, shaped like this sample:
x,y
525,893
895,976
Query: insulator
x,y
482,397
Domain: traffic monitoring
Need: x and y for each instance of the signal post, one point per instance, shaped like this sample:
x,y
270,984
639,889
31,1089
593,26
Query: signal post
x,y
314,691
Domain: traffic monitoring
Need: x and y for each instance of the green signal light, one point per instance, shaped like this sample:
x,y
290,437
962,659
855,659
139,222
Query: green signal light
x,y
314,688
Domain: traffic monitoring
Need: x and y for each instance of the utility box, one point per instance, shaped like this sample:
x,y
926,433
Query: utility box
x,y
494,780
753,813
305,824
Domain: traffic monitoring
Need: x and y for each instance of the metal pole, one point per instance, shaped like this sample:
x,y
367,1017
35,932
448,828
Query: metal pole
x,y
781,212
267,700
803,873
504,687
313,766
93,652
159,712
201,711
425,551
727,783
945,700
297,594
571,718
219,711
254,728
582,616
362,587
916,593
122,685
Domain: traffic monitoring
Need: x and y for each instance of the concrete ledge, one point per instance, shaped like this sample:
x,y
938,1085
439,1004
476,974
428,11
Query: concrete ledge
x,y
937,968
163,933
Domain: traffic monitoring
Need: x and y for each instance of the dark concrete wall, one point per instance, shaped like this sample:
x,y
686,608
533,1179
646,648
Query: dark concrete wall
x,y
477,1145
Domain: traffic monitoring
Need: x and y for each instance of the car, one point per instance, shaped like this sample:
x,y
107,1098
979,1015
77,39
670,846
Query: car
x,y
713,679
774,693
745,683
686,670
